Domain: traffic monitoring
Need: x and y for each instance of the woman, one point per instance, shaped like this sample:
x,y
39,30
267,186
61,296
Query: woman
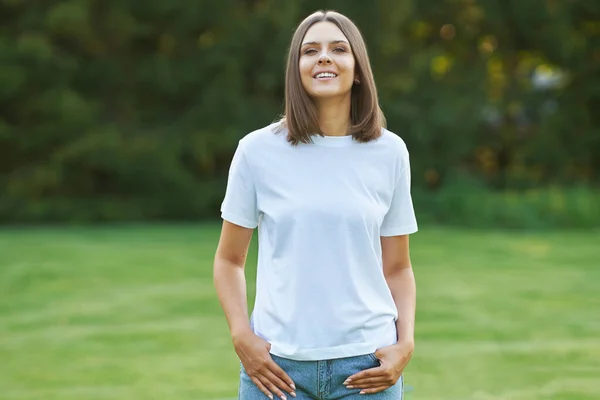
x,y
329,190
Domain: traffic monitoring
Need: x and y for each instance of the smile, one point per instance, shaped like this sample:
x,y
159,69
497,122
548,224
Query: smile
x,y
325,75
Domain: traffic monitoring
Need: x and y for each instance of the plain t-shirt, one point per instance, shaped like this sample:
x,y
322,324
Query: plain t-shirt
x,y
321,209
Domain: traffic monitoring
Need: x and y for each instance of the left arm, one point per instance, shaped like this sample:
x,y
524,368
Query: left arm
x,y
401,281
399,221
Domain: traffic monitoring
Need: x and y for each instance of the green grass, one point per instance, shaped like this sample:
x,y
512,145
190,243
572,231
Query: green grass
x,y
130,313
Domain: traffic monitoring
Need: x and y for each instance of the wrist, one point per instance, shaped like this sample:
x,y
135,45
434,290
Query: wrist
x,y
407,343
240,332
405,334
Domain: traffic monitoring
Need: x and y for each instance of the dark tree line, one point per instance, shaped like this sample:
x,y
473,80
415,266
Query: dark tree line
x,y
123,109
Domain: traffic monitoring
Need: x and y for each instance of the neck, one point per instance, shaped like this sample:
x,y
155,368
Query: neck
x,y
334,116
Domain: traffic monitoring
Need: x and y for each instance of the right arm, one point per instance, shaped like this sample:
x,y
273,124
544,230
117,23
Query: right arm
x,y
229,278
230,284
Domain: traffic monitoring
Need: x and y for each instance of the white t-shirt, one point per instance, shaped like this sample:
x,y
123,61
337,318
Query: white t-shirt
x,y
321,209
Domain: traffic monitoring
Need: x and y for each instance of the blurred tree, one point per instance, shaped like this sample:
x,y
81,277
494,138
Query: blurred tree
x,y
126,110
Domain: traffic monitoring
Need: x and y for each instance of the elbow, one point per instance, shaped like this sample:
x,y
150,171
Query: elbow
x,y
222,263
396,270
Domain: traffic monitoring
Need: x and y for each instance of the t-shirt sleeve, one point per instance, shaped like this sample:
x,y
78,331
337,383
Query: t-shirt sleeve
x,y
239,205
400,218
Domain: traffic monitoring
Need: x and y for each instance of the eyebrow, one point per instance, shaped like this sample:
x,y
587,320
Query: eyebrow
x,y
332,42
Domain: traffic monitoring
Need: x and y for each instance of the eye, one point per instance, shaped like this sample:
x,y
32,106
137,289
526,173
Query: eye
x,y
340,49
309,51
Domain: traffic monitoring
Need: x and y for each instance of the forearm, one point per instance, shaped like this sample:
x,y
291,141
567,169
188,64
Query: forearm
x,y
403,288
230,285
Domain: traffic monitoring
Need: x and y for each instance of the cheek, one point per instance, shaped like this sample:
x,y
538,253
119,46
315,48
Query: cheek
x,y
348,65
305,67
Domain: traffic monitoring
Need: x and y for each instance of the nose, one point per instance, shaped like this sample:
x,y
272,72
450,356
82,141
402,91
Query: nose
x,y
324,59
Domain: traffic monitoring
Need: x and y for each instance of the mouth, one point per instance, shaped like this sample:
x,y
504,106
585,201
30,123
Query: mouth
x,y
323,76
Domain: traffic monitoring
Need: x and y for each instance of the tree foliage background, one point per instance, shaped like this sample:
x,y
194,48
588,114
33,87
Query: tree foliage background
x,y
131,110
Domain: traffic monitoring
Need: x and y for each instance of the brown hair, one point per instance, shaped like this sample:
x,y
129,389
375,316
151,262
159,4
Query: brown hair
x,y
300,117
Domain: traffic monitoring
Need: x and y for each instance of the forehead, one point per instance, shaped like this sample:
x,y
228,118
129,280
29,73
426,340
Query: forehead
x,y
324,31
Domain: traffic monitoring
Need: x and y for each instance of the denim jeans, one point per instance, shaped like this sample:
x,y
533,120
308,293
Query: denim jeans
x,y
322,380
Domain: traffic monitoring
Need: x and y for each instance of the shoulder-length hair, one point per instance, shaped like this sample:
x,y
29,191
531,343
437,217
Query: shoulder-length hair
x,y
300,117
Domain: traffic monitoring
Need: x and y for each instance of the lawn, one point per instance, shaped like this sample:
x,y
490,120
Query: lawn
x,y
130,313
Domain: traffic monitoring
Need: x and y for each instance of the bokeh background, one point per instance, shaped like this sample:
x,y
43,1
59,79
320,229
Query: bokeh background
x,y
118,120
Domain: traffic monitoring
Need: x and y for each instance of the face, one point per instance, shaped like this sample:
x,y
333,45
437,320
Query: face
x,y
326,62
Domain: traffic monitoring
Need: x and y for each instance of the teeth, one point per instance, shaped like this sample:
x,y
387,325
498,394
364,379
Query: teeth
x,y
326,75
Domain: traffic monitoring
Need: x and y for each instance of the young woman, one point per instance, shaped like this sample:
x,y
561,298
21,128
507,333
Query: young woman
x,y
329,189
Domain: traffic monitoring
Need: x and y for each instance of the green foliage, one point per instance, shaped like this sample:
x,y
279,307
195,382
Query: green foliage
x,y
119,110
477,207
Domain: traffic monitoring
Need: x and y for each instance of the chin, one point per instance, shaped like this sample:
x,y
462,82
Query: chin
x,y
324,94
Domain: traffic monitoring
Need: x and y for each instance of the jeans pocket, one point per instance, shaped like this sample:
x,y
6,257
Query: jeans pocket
x,y
373,357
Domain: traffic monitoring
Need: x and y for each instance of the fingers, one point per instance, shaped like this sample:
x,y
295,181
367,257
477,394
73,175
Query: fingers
x,y
279,384
286,382
272,381
273,388
374,390
262,387
367,373
369,382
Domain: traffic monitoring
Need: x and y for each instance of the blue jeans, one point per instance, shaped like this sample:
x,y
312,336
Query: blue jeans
x,y
322,380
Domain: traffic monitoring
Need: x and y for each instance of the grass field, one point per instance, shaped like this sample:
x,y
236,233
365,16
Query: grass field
x,y
130,313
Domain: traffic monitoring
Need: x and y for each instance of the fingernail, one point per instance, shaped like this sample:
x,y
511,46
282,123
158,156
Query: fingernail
x,y
347,381
362,392
270,396
283,397
293,386
350,387
293,394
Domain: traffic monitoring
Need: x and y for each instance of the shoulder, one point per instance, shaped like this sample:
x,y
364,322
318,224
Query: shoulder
x,y
262,138
393,141
394,149
391,147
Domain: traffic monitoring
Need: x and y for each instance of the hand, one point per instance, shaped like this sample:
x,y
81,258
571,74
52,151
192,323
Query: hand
x,y
393,360
260,367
